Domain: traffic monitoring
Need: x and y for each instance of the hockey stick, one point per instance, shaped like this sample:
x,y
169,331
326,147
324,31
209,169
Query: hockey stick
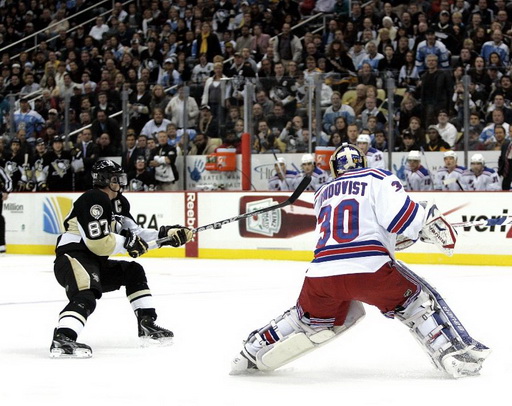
x,y
279,169
430,175
218,224
497,221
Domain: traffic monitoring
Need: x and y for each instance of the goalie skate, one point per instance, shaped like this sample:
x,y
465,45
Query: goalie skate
x,y
64,347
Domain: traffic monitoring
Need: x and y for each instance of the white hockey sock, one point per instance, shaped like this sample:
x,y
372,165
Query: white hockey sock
x,y
141,299
73,321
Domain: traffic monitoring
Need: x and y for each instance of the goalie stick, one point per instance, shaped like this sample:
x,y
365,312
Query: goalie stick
x,y
218,224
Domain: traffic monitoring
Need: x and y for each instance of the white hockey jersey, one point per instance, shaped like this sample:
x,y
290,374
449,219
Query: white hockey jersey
x,y
375,158
287,184
319,177
419,180
449,181
487,181
358,217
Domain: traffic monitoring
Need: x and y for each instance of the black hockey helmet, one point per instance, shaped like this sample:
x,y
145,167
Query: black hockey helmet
x,y
106,171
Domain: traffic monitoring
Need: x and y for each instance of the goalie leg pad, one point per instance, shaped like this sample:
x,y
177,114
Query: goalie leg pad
x,y
295,339
439,331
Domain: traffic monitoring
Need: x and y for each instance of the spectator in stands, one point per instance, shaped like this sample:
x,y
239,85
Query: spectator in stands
x,y
373,57
30,85
207,123
435,90
498,118
28,119
372,110
163,160
389,65
292,136
406,142
98,30
283,90
435,142
215,91
431,46
358,53
175,109
287,46
496,142
138,105
157,124
260,42
366,75
208,42
337,109
446,130
204,145
104,124
278,120
131,152
499,102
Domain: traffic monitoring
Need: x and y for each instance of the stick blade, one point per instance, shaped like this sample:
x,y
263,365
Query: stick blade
x,y
306,180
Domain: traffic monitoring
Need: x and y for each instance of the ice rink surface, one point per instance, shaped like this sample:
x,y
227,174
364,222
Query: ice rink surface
x,y
212,305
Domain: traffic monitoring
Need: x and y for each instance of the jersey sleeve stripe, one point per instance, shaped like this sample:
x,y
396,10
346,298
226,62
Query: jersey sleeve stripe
x,y
404,217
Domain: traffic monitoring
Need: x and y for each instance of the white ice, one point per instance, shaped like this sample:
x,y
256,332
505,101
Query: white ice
x,y
212,305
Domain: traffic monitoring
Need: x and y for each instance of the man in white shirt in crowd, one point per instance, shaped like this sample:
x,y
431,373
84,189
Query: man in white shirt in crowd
x,y
447,130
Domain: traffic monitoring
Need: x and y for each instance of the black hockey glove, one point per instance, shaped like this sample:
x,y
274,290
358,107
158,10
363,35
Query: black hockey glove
x,y
135,245
178,235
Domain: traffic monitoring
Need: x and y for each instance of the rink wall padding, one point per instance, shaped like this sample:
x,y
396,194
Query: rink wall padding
x,y
34,221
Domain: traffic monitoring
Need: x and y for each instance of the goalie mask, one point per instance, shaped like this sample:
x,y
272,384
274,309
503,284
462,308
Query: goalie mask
x,y
105,172
347,157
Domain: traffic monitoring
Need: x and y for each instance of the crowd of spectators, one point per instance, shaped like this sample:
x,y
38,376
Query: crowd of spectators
x,y
157,49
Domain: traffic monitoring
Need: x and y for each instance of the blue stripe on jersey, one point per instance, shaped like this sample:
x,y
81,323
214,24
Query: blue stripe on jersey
x,y
404,217
350,250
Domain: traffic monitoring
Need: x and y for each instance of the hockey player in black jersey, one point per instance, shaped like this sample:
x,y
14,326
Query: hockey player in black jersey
x,y
100,225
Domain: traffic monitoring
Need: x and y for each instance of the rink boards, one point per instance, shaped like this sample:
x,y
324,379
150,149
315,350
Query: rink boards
x,y
34,221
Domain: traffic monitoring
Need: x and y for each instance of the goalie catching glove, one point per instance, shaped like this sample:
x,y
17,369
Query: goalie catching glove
x,y
135,246
176,235
438,231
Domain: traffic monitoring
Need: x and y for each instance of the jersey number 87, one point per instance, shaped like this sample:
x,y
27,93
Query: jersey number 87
x,y
98,228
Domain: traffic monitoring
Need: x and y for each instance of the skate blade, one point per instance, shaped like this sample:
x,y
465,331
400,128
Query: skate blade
x,y
148,342
240,366
79,354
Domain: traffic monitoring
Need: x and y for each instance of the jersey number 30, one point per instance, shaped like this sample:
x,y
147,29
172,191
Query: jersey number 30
x,y
342,222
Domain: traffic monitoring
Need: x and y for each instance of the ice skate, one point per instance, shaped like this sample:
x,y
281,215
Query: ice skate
x,y
243,363
64,347
150,333
465,362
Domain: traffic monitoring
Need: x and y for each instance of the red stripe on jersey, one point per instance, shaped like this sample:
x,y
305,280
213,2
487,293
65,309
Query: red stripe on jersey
x,y
405,217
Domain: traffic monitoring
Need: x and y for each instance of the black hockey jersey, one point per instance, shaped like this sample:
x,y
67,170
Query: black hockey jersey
x,y
92,225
